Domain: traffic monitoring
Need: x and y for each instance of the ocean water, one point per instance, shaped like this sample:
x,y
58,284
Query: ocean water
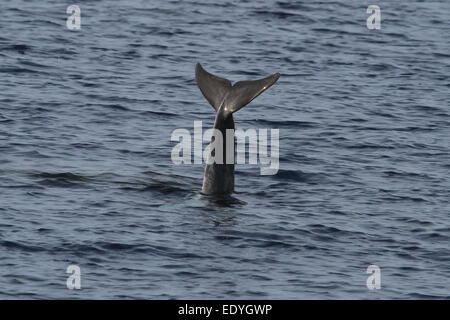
x,y
86,176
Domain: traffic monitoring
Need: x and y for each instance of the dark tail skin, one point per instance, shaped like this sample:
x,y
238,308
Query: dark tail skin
x,y
219,91
226,99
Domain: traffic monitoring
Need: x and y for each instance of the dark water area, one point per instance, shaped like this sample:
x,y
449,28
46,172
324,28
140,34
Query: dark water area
x,y
86,176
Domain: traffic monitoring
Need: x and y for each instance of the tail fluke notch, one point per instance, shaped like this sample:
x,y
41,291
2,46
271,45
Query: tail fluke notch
x,y
219,90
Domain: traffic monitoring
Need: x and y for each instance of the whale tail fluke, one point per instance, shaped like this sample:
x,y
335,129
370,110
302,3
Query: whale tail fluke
x,y
219,90
213,88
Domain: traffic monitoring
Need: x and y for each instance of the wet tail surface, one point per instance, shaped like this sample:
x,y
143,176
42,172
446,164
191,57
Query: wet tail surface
x,y
226,99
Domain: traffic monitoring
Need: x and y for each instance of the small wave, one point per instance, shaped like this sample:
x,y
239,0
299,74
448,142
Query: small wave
x,y
257,239
369,146
287,123
293,6
68,176
17,70
14,245
60,180
298,176
19,48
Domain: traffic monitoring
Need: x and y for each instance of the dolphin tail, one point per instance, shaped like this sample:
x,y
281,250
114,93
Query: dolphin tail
x,y
217,90
214,88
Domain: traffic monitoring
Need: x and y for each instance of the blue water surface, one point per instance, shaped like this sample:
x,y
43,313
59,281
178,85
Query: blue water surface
x,y
86,176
